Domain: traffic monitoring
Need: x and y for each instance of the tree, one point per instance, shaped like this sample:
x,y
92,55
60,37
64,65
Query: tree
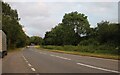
x,y
76,22
36,40
11,26
73,26
108,32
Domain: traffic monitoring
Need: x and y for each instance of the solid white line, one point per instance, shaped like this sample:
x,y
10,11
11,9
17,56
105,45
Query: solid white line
x,y
29,65
98,68
32,69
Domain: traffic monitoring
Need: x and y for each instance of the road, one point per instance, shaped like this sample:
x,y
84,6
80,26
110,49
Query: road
x,y
31,60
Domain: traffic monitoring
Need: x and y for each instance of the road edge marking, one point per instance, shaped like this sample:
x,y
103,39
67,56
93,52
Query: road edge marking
x,y
60,57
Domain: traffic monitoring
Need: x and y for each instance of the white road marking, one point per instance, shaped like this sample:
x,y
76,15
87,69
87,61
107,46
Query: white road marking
x,y
60,57
42,53
26,61
24,58
98,68
52,55
29,65
65,58
32,69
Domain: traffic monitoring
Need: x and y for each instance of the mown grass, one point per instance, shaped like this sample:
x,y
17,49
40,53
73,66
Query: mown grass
x,y
95,51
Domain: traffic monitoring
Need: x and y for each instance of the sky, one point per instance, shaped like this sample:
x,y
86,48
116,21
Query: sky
x,y
38,17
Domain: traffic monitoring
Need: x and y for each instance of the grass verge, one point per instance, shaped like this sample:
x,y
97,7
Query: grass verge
x,y
74,50
16,49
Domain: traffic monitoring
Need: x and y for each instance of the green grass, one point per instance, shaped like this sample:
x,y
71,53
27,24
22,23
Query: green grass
x,y
95,51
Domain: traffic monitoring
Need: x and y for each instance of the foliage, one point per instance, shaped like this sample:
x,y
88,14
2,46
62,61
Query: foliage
x,y
90,41
108,33
11,26
68,32
77,22
36,40
73,34
75,30
101,49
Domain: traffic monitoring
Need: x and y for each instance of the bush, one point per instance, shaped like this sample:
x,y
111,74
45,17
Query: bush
x,y
53,47
101,49
89,42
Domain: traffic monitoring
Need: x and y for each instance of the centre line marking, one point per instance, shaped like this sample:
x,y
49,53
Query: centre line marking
x,y
90,66
24,58
26,61
32,69
29,65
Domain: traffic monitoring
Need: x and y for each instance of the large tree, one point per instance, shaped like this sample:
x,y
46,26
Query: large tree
x,y
74,25
108,32
11,26
77,22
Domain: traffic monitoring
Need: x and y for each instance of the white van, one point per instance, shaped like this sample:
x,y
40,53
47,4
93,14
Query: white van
x,y
3,45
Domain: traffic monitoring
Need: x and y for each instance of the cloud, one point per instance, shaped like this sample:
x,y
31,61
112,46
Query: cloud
x,y
61,0
39,17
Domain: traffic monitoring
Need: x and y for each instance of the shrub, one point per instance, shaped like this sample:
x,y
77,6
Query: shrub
x,y
89,42
101,49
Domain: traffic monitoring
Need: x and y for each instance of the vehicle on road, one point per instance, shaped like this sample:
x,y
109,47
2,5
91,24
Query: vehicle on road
x,y
3,45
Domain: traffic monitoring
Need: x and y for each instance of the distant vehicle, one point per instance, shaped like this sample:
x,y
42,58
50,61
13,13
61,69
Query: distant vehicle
x,y
3,45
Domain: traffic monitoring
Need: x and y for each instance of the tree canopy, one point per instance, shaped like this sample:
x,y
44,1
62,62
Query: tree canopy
x,y
11,26
73,26
36,40
75,30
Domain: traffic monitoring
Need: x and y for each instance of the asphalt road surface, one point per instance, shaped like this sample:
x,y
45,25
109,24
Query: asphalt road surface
x,y
31,60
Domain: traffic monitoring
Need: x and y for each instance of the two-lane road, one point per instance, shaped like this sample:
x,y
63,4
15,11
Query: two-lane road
x,y
31,60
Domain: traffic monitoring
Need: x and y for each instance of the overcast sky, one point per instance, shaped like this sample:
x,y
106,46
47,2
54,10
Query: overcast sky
x,y
37,17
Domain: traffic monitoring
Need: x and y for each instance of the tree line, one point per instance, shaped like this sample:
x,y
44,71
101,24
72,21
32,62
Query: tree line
x,y
73,30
